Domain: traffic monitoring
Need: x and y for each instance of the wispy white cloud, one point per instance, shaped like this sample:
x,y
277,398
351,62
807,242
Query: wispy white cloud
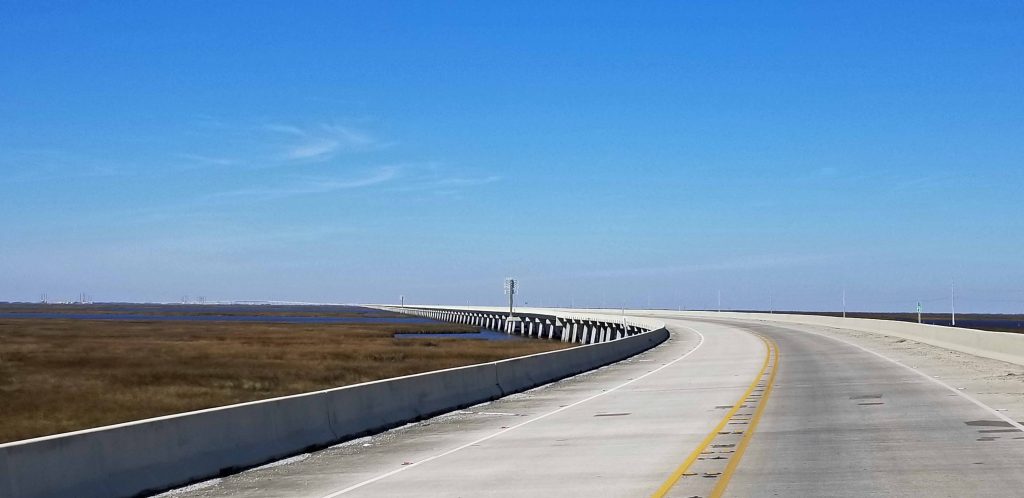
x,y
434,181
310,186
466,181
275,143
313,149
322,142
395,178
284,129
352,136
208,160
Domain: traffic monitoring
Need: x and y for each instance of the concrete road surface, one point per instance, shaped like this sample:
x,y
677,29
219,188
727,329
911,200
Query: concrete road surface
x,y
723,408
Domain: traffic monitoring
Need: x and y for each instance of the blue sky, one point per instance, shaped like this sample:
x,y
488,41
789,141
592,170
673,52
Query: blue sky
x,y
604,153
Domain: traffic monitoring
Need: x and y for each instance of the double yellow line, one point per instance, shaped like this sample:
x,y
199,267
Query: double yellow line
x,y
772,351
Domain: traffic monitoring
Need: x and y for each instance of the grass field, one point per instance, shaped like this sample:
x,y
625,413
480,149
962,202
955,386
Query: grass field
x,y
60,375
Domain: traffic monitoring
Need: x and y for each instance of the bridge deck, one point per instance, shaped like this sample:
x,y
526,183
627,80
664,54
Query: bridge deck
x,y
838,421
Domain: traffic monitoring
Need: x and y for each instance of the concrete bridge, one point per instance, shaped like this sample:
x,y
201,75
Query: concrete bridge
x,y
566,327
686,404
150,455
730,405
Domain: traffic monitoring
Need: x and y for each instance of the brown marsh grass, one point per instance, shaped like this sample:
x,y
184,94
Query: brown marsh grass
x,y
64,375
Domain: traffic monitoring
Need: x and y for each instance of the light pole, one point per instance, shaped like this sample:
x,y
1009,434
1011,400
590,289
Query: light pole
x,y
952,302
844,302
511,286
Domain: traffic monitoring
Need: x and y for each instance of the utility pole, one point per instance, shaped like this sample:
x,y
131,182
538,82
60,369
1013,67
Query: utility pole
x,y
844,302
952,302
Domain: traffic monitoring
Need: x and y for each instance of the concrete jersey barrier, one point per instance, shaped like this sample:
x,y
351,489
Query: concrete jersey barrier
x,y
152,455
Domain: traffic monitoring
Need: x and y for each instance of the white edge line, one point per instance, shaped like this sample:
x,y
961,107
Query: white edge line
x,y
966,396
514,427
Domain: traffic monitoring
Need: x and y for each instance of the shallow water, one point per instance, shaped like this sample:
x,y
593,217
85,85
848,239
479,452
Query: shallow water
x,y
484,334
219,318
979,323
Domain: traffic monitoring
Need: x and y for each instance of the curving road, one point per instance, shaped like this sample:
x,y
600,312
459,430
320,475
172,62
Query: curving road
x,y
728,408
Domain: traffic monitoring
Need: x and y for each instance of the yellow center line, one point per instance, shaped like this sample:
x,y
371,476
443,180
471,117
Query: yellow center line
x,y
683,467
730,468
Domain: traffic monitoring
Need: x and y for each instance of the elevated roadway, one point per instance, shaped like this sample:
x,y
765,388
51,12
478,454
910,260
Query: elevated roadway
x,y
724,408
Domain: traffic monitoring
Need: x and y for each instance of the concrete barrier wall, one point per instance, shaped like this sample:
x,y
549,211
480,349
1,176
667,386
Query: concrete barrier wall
x,y
1003,346
156,454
